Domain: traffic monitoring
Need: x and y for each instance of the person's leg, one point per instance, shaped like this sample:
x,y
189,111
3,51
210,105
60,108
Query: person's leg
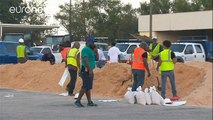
x,y
134,86
172,82
83,89
78,101
73,74
88,91
81,93
140,78
163,86
68,85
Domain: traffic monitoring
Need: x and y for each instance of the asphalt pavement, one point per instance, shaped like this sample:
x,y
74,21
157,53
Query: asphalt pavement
x,y
22,105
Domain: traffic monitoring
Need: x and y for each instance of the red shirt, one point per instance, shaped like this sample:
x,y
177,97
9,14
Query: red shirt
x,y
64,52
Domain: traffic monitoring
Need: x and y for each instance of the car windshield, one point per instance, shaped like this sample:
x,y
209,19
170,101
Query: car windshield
x,y
177,47
122,47
103,47
36,50
54,40
12,37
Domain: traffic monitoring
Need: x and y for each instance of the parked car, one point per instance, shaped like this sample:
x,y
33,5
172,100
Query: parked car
x,y
8,53
188,51
127,48
46,49
207,45
102,46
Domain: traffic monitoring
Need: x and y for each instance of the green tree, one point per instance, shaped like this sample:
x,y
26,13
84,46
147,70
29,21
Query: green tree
x,y
198,5
36,15
181,6
7,13
101,18
159,7
207,4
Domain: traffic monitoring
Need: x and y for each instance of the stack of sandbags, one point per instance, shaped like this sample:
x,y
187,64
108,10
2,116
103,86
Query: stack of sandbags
x,y
148,97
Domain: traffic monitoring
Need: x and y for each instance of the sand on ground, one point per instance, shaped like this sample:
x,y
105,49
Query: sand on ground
x,y
193,80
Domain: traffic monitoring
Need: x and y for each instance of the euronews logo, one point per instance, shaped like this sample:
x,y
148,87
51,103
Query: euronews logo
x,y
20,9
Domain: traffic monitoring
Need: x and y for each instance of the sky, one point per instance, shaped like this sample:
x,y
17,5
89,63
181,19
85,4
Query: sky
x,y
52,7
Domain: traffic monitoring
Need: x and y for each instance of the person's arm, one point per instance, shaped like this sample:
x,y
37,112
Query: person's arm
x,y
173,57
25,52
78,61
96,53
65,60
88,66
161,48
145,56
159,63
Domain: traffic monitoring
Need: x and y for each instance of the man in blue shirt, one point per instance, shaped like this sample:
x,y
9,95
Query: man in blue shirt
x,y
89,55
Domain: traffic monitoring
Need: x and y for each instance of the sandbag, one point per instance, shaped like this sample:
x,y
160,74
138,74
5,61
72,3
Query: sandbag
x,y
129,96
140,96
155,96
147,96
63,77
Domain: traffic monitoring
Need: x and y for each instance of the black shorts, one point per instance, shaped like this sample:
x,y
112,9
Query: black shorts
x,y
87,79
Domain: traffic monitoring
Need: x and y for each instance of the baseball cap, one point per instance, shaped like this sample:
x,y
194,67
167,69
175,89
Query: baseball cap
x,y
90,39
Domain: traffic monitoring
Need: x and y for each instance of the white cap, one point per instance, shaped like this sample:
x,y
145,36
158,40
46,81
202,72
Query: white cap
x,y
154,38
21,40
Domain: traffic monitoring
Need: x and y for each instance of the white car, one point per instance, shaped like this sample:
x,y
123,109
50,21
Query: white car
x,y
188,51
46,49
127,49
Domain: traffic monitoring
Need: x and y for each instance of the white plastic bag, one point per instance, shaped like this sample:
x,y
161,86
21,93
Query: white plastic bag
x,y
140,96
129,96
63,77
147,96
155,96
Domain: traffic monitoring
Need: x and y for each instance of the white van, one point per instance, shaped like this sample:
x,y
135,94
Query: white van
x,y
188,51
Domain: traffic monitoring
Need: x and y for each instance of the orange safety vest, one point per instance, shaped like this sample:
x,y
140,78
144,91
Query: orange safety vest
x,y
64,52
138,59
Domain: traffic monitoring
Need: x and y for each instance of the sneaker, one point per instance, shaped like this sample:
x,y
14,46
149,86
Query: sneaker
x,y
78,104
71,94
92,104
175,98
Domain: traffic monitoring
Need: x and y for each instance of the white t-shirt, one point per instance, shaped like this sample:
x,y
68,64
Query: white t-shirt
x,y
113,54
101,55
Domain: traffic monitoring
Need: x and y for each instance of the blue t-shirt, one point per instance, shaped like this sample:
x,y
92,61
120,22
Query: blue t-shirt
x,y
89,53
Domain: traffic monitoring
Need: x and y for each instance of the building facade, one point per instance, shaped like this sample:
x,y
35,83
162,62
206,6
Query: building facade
x,y
178,26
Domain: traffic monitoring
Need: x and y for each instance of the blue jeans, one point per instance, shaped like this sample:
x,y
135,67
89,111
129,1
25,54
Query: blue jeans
x,y
171,76
139,76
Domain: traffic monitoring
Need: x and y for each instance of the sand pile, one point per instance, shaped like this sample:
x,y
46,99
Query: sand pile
x,y
192,79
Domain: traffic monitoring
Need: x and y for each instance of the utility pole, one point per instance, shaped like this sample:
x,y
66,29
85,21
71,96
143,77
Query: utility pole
x,y
70,22
85,30
150,19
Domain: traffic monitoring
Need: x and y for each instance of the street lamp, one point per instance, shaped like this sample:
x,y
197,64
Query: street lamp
x,y
150,19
